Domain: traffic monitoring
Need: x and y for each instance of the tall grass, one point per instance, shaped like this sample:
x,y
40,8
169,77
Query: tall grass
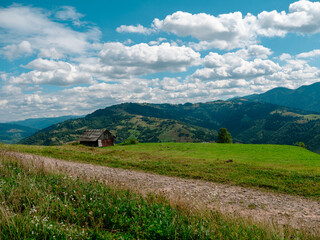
x,y
38,204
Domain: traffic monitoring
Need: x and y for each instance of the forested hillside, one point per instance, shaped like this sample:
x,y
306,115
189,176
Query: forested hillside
x,y
248,122
12,133
306,97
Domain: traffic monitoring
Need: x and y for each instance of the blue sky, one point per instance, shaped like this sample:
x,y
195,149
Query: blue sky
x,y
72,57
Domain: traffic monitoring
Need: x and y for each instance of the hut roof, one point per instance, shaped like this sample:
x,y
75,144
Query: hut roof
x,y
91,135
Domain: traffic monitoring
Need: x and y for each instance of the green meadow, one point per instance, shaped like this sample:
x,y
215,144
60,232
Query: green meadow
x,y
277,168
38,204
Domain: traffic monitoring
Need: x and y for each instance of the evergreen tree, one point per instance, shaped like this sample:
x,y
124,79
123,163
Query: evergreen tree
x,y
224,136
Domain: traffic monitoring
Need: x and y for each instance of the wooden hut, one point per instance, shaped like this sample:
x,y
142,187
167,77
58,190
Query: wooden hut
x,y
97,138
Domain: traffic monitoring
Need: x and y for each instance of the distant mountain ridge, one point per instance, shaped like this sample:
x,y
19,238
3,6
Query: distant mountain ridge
x,y
305,97
13,132
248,122
41,123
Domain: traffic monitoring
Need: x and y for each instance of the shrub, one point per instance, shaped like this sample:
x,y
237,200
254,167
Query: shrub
x,y
301,144
130,141
224,136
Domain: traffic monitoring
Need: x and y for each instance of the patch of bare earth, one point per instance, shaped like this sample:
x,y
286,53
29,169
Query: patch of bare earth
x,y
264,207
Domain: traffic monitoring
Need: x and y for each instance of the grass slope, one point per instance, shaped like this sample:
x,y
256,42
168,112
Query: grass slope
x,y
284,169
36,204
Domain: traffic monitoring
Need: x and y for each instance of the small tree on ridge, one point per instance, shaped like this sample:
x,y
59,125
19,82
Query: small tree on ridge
x,y
224,136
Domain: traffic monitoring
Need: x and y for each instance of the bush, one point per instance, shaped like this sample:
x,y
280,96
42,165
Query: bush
x,y
301,144
130,141
224,136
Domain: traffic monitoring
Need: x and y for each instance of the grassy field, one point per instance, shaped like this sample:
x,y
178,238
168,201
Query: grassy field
x,y
37,204
284,169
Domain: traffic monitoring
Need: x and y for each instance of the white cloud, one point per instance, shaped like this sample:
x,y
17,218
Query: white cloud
x,y
303,17
237,65
226,31
45,65
254,51
233,30
14,51
50,72
134,29
52,53
313,53
69,13
34,25
285,56
10,90
143,58
244,73
3,103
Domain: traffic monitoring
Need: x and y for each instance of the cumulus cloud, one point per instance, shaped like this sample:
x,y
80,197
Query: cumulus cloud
x,y
50,72
34,26
237,65
303,17
226,31
52,53
10,90
313,53
254,51
233,30
14,51
245,72
135,29
147,59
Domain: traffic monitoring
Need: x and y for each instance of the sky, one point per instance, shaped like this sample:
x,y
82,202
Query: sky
x,y
72,57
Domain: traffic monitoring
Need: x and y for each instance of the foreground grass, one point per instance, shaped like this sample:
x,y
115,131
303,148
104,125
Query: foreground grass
x,y
35,204
284,169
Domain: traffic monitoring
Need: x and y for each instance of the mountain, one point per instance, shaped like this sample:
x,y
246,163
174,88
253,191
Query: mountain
x,y
248,122
306,97
12,133
41,123
124,125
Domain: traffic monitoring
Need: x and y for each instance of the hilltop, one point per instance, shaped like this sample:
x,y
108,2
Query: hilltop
x,y
306,97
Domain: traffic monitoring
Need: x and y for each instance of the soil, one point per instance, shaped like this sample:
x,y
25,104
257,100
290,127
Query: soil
x,y
262,206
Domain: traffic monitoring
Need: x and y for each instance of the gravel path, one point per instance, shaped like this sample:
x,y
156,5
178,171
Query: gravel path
x,y
261,206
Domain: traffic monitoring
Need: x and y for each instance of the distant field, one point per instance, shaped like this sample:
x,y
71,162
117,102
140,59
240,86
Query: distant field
x,y
285,169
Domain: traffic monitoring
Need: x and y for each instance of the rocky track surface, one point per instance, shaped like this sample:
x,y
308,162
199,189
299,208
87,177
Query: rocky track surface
x,y
265,207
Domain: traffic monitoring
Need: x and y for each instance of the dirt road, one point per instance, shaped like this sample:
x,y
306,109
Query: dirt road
x,y
260,206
